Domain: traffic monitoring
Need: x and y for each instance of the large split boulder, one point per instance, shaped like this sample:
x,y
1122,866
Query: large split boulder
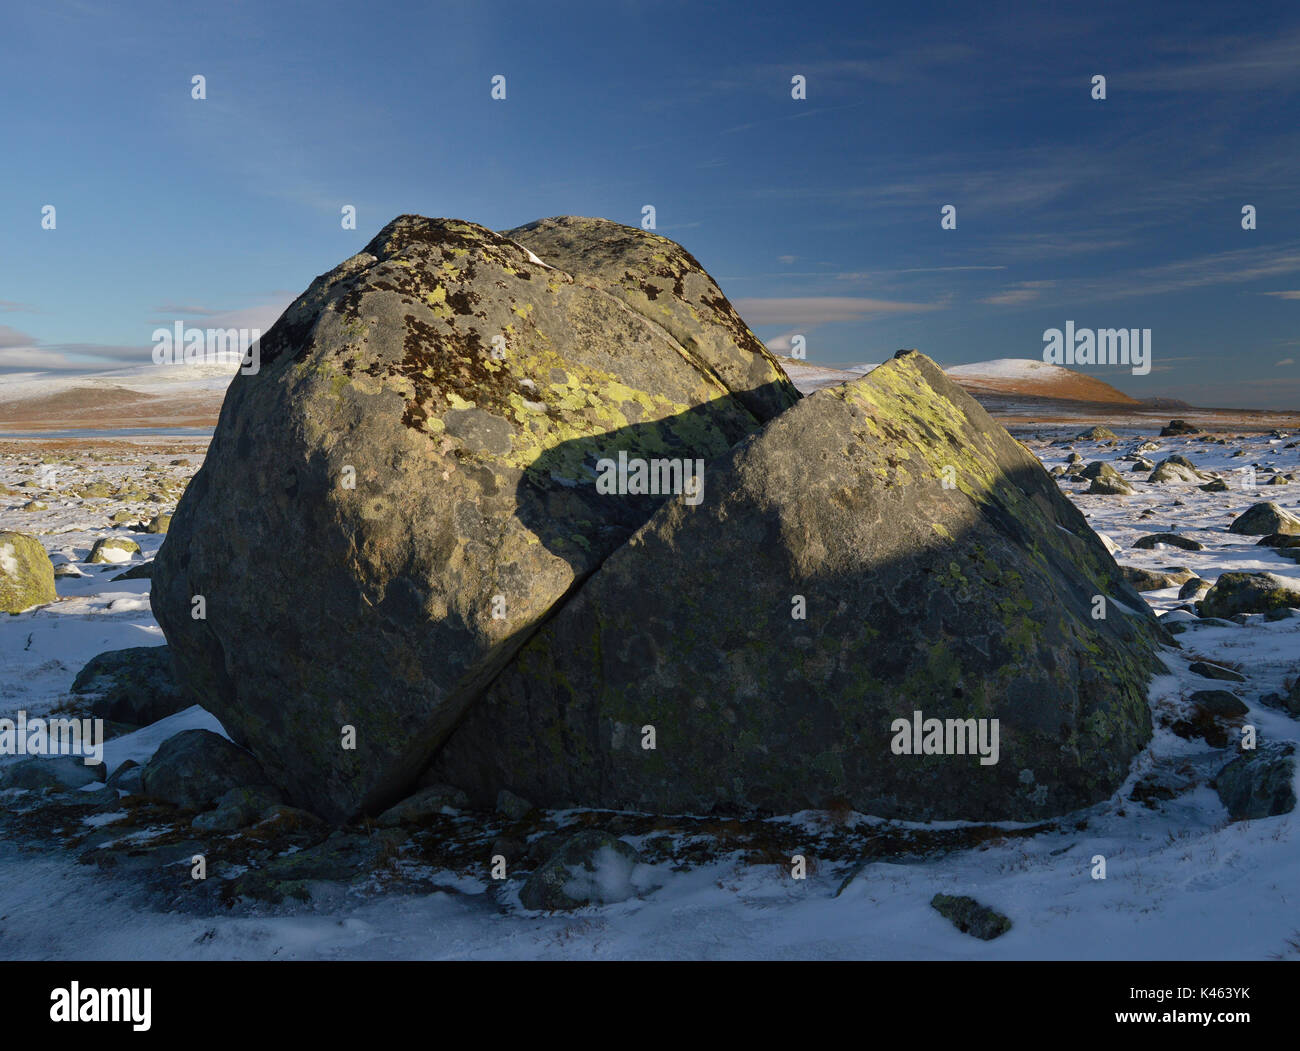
x,y
881,549
26,573
404,489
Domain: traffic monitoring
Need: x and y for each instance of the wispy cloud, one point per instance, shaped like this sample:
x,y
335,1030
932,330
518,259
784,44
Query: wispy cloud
x,y
1232,64
35,356
22,352
260,316
1018,294
183,311
815,310
1209,270
781,344
11,337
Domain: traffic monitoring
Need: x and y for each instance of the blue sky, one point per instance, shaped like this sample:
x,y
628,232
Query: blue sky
x,y
818,217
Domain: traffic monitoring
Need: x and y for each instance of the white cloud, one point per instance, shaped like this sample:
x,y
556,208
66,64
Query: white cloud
x,y
20,352
815,310
1017,294
781,344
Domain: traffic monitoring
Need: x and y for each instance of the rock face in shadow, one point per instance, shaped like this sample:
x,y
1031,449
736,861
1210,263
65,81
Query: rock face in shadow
x,y
880,549
394,501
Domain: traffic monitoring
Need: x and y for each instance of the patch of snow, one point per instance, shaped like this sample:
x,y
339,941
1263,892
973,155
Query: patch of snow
x,y
97,820
615,878
142,744
1008,368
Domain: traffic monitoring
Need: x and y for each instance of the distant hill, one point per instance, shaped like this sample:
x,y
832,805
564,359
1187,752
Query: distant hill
x,y
144,396
1025,377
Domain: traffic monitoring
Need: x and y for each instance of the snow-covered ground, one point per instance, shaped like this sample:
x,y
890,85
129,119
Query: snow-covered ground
x,y
1181,881
809,377
147,378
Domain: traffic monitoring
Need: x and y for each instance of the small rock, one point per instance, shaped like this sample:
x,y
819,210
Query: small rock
x,y
423,804
1214,671
1258,783
592,867
1213,714
289,818
1159,785
1155,580
1148,543
516,808
126,777
196,768
113,549
238,808
58,772
144,571
1288,702
508,847
1177,469
1106,481
1221,703
970,917
1249,593
1265,519
137,685
26,573
343,857
1280,540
